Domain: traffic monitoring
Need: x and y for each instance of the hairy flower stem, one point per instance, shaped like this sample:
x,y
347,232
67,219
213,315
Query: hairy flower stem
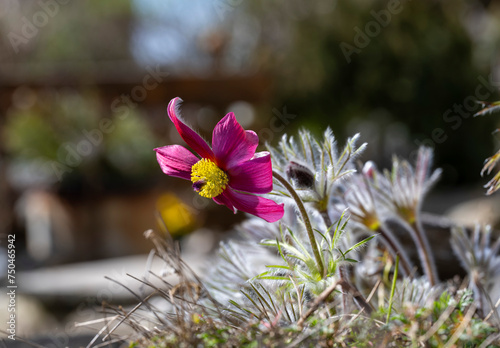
x,y
424,250
396,248
307,222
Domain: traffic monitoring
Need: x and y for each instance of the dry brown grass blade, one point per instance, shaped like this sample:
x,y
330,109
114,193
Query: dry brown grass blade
x,y
490,340
461,328
104,328
493,310
435,327
377,284
127,316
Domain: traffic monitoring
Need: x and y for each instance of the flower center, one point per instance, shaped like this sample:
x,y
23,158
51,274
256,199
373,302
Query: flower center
x,y
208,179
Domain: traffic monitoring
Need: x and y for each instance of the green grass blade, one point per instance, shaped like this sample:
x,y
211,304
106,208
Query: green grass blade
x,y
393,288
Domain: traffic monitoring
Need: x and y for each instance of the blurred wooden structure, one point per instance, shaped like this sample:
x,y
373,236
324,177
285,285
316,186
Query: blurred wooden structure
x,y
116,78
110,81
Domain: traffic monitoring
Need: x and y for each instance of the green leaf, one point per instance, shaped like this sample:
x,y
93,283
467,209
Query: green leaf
x,y
286,246
273,277
325,239
270,298
341,253
280,267
261,297
281,251
351,260
242,308
262,310
309,277
357,245
307,255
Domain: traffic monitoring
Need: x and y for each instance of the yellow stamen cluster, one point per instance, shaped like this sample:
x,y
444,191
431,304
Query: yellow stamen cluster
x,y
208,179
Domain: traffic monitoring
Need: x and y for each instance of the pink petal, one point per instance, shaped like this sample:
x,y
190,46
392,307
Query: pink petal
x,y
256,205
231,143
255,175
176,160
223,200
193,139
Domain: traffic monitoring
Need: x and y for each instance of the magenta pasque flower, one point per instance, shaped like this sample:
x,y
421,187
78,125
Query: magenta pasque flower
x,y
230,172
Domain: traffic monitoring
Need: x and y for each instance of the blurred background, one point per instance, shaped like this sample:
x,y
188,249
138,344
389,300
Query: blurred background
x,y
84,87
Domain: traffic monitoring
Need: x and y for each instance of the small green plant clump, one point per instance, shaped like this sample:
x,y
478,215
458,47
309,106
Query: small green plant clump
x,y
326,267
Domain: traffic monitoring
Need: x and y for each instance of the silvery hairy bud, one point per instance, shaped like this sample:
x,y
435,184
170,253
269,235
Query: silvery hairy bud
x,y
369,169
301,176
